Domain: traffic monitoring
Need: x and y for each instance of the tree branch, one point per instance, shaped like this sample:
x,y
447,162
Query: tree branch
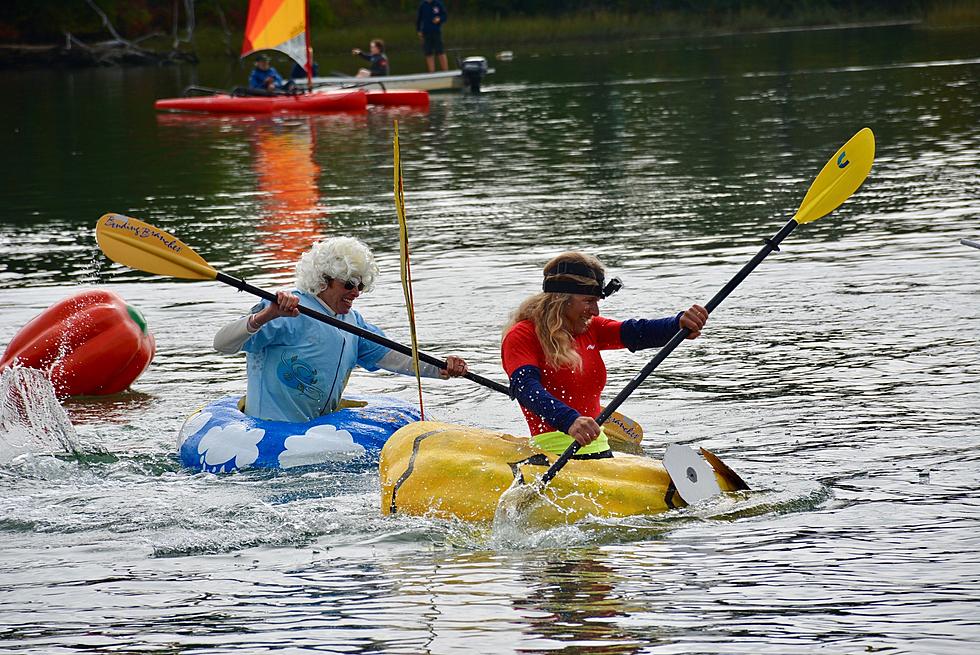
x,y
107,23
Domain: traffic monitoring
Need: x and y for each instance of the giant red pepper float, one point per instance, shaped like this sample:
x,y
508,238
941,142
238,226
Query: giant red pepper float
x,y
89,344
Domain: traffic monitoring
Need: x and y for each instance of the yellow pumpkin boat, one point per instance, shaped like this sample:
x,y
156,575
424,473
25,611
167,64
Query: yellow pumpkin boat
x,y
451,471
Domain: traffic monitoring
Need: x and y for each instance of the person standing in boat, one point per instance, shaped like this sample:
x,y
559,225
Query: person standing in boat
x,y
264,77
552,347
428,23
298,366
377,58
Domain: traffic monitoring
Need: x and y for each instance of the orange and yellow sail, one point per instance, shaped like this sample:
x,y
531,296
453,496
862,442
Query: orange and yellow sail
x,y
279,25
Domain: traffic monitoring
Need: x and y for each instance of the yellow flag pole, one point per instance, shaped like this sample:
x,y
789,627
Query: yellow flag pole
x,y
406,266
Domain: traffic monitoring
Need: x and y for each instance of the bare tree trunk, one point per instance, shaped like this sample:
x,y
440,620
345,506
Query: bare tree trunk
x,y
224,28
123,51
176,14
71,41
106,22
191,22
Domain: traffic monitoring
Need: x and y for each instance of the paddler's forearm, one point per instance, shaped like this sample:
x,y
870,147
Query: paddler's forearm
x,y
639,333
230,339
525,382
397,362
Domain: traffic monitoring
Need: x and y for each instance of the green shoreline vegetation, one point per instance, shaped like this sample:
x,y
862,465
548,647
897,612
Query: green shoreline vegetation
x,y
505,32
336,26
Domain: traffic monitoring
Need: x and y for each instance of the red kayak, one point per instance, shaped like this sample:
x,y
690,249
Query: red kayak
x,y
393,97
341,100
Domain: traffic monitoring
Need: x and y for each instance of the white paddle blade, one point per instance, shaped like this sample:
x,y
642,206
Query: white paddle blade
x,y
694,479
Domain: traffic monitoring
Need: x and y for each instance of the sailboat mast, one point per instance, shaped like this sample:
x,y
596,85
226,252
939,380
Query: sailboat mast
x,y
309,47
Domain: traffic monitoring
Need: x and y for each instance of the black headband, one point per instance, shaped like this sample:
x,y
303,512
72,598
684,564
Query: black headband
x,y
596,288
574,268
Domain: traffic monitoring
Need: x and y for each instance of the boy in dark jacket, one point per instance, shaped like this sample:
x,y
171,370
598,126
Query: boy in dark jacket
x,y
378,59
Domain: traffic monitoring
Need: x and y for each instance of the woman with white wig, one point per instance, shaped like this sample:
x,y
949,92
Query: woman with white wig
x,y
298,366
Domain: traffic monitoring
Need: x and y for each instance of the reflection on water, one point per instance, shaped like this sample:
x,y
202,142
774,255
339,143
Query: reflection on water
x,y
841,379
287,175
575,601
115,408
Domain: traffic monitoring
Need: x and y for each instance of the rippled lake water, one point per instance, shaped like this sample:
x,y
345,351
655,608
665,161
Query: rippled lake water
x,y
840,380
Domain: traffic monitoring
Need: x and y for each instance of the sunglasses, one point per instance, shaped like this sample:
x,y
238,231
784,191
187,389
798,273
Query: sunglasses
x,y
349,285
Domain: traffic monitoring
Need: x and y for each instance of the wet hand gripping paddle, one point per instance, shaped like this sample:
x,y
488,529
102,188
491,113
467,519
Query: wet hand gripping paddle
x,y
838,179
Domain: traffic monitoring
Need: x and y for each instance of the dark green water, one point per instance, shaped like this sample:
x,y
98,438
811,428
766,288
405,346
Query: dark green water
x,y
841,380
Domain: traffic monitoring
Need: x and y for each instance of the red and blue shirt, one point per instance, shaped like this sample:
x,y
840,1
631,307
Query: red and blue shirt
x,y
577,389
552,398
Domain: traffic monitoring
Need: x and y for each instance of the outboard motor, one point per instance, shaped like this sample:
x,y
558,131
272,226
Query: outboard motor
x,y
474,69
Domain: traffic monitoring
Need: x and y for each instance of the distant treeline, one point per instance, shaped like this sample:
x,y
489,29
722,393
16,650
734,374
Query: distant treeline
x,y
48,21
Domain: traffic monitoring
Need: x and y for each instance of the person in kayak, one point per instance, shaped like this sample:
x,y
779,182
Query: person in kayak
x,y
264,77
551,352
377,58
429,20
297,366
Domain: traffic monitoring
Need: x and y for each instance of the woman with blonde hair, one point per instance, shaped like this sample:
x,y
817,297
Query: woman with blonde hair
x,y
551,351
297,366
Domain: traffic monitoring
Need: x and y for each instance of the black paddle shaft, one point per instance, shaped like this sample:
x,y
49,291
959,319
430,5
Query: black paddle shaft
x,y
771,244
242,285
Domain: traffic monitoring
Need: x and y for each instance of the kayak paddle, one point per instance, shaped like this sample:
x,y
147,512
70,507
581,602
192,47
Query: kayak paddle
x,y
972,244
838,179
139,245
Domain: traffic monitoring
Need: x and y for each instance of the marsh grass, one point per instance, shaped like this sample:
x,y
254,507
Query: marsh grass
x,y
593,26
503,33
954,14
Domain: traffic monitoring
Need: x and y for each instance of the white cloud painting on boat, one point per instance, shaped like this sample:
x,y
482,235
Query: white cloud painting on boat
x,y
320,444
222,443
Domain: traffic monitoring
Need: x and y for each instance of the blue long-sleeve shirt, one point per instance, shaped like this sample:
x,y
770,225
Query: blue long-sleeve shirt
x,y
257,80
427,11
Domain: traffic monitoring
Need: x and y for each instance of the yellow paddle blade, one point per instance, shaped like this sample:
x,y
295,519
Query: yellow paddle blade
x,y
139,245
839,178
729,479
624,434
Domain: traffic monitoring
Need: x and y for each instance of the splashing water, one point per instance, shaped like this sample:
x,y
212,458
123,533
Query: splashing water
x,y
525,515
31,418
511,519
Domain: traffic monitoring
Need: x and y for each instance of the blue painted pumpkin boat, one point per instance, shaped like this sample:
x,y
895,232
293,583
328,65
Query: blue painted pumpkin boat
x,y
219,437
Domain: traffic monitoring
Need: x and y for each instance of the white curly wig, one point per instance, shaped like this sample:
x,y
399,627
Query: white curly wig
x,y
338,258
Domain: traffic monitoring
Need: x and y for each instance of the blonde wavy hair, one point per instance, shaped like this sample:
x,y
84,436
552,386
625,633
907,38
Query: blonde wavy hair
x,y
547,312
336,258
